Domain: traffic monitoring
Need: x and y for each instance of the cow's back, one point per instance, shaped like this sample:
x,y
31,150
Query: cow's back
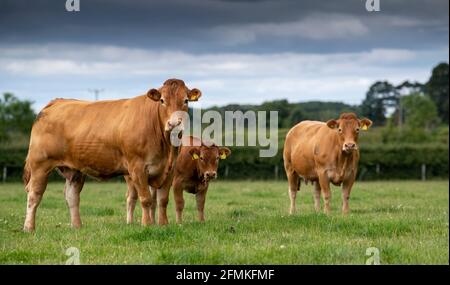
x,y
89,136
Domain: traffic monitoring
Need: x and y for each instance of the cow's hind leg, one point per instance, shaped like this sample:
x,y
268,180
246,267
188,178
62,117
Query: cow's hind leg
x,y
36,187
132,197
294,187
72,189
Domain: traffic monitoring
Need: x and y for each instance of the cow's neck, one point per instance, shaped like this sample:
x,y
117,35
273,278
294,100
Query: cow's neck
x,y
162,125
344,160
164,148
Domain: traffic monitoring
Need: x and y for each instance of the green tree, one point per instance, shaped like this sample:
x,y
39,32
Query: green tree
x,y
296,115
420,112
381,95
282,106
437,88
16,116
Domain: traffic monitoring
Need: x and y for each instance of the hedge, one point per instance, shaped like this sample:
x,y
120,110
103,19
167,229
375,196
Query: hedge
x,y
377,162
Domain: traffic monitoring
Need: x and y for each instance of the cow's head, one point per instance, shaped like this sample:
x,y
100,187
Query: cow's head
x,y
348,127
207,159
173,97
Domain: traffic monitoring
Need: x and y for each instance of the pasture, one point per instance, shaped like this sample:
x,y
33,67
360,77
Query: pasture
x,y
246,223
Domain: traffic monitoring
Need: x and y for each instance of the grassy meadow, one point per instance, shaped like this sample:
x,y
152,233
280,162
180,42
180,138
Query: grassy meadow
x,y
246,223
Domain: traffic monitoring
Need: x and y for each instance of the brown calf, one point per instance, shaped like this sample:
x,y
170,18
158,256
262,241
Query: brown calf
x,y
196,165
323,153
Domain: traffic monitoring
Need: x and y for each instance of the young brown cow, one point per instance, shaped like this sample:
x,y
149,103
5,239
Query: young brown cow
x,y
323,153
196,165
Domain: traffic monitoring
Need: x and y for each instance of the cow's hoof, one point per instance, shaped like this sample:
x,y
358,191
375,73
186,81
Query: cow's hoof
x,y
28,229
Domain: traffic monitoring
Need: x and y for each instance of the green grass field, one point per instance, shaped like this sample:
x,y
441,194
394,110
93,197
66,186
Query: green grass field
x,y
246,223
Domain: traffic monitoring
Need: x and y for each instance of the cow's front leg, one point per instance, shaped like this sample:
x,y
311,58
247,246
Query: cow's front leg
x,y
140,181
200,198
132,196
325,189
154,204
179,202
346,189
163,200
317,197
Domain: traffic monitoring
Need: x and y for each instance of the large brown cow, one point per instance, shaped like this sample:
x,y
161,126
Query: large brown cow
x,y
196,165
104,139
323,153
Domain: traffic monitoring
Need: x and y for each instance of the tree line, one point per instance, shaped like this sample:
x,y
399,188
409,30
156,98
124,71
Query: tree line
x,y
420,105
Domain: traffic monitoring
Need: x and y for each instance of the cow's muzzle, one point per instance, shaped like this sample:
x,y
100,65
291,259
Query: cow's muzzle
x,y
170,125
209,175
349,147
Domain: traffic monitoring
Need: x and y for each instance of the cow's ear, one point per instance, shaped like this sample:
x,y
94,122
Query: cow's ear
x,y
194,94
154,94
224,152
195,153
333,124
365,124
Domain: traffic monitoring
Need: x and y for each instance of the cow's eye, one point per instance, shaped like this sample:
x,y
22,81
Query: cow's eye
x,y
340,130
186,101
357,130
201,158
162,101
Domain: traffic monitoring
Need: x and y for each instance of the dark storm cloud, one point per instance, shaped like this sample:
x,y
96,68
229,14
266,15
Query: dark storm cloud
x,y
227,26
236,51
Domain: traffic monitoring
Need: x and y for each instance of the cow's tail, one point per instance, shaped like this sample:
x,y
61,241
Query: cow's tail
x,y
26,174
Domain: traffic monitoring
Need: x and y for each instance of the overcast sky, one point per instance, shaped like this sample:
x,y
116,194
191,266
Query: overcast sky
x,y
234,51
